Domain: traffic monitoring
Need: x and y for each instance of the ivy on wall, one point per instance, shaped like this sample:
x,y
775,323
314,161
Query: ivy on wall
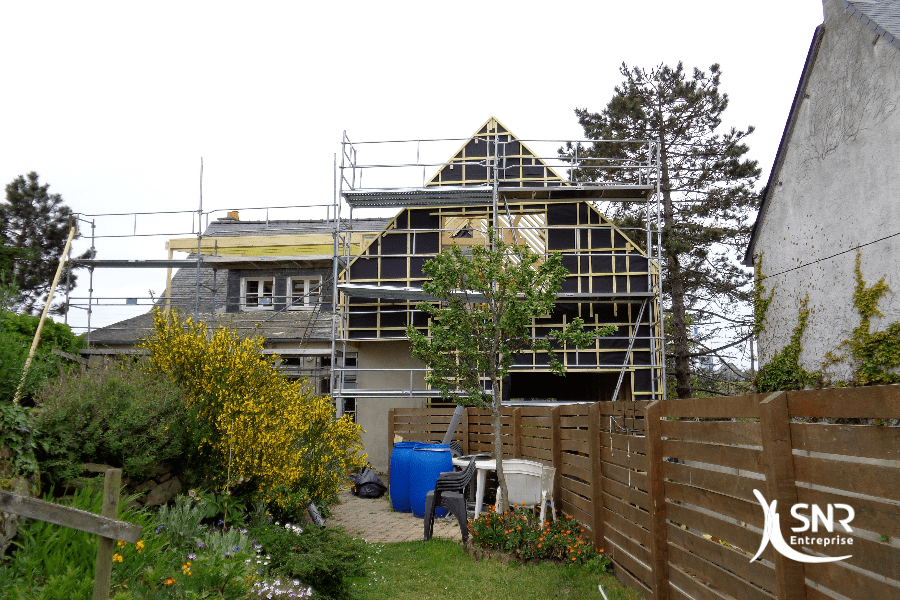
x,y
874,355
760,303
784,372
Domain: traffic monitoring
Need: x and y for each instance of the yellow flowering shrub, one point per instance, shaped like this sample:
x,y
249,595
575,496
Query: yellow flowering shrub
x,y
251,419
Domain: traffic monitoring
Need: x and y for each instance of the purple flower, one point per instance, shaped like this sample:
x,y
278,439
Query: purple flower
x,y
192,556
221,522
200,545
237,548
158,529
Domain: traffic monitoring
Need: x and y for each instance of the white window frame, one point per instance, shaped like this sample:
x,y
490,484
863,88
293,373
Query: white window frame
x,y
308,282
270,305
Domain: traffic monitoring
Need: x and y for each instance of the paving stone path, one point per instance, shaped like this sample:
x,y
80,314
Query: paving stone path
x,y
373,520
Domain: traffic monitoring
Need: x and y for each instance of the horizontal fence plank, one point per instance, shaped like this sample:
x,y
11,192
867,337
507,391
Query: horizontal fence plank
x,y
691,587
575,446
878,517
575,435
622,559
715,454
734,433
870,402
534,411
539,454
739,537
577,501
723,483
627,511
629,495
567,410
49,512
730,407
848,582
864,441
735,508
613,520
535,442
624,476
401,412
620,407
575,421
625,443
577,460
629,545
566,469
630,581
579,487
873,480
626,459
731,560
574,511
717,578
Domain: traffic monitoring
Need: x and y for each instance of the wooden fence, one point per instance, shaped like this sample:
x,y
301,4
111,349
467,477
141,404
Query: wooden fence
x,y
667,489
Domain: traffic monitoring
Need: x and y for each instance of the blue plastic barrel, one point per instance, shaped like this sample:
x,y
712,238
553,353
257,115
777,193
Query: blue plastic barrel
x,y
429,461
401,461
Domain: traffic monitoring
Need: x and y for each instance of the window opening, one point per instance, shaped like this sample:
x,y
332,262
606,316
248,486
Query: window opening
x,y
258,293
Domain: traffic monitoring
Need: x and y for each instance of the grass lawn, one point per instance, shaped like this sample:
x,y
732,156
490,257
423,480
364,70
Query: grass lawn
x,y
440,569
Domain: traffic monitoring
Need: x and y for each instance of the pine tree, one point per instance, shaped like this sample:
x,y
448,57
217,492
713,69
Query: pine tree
x,y
707,189
34,225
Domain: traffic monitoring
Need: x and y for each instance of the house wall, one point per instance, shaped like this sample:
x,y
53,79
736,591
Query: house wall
x,y
838,188
372,413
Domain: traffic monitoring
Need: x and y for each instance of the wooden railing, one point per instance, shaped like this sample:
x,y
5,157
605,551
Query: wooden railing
x,y
105,525
667,489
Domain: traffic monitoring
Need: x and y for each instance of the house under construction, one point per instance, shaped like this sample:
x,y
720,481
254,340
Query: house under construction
x,y
333,297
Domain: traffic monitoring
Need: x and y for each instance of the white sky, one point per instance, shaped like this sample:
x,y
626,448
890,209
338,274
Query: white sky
x,y
114,103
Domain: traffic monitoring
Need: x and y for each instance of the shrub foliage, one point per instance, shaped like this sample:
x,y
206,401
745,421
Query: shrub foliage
x,y
251,419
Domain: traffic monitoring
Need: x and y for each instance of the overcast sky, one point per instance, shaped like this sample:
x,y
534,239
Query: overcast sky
x,y
114,103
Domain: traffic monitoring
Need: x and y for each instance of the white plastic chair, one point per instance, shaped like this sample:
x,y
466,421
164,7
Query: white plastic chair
x,y
529,483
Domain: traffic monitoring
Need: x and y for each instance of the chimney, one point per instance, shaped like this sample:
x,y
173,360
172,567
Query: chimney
x,y
233,215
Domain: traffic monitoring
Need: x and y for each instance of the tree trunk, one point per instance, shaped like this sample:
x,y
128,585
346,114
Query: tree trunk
x,y
498,444
680,348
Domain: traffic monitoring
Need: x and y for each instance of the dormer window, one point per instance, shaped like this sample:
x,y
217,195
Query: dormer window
x,y
305,292
257,293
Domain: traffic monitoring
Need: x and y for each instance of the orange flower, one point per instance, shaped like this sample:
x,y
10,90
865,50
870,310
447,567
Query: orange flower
x,y
170,581
573,558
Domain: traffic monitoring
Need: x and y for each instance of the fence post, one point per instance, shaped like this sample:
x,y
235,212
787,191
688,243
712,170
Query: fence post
x,y
103,569
556,450
659,543
778,458
517,433
596,477
390,439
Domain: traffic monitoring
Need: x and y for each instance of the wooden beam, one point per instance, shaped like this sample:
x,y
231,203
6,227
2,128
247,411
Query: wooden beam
x,y
66,516
112,482
659,545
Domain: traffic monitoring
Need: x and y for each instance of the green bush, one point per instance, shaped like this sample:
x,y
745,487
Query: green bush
x,y
318,557
16,336
118,416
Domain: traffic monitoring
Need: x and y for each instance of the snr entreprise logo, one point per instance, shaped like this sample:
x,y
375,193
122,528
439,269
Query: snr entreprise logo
x,y
772,530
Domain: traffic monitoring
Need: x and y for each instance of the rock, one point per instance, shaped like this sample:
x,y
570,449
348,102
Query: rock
x,y
95,468
145,487
160,469
164,478
164,492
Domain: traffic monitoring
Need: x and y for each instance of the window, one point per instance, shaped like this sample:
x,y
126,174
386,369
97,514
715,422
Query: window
x,y
257,294
304,292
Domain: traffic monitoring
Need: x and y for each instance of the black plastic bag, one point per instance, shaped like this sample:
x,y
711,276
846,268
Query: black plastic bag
x,y
367,484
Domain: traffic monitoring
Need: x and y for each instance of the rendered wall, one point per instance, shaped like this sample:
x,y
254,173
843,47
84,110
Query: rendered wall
x,y
839,187
372,413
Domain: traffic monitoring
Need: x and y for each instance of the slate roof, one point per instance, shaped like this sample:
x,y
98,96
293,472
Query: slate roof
x,y
284,326
882,17
288,325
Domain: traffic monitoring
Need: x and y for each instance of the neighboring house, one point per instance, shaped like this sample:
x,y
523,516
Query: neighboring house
x,y
834,189
275,279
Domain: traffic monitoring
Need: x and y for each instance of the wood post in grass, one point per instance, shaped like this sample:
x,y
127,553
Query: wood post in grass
x,y
105,525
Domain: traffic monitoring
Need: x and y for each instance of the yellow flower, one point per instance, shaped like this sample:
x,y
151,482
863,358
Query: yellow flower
x,y
170,581
117,557
121,543
139,546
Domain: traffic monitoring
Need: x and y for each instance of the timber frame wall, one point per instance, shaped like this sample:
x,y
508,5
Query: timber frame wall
x,y
666,488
